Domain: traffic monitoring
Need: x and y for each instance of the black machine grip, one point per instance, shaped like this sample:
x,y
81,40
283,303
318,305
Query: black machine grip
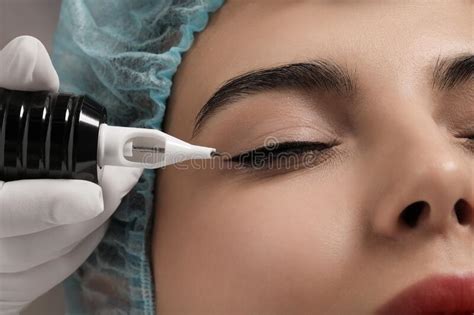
x,y
48,135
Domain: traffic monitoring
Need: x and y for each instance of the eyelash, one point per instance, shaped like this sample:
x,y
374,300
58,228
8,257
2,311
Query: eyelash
x,y
468,142
263,157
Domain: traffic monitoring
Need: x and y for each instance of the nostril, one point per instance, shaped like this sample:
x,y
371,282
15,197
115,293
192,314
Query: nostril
x,y
463,212
411,214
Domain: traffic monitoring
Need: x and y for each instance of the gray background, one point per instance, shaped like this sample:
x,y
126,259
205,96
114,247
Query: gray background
x,y
37,18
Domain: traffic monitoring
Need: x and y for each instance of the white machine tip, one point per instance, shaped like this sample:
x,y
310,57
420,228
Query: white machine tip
x,y
145,148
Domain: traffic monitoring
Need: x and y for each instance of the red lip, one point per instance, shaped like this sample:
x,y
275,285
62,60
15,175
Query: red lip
x,y
436,295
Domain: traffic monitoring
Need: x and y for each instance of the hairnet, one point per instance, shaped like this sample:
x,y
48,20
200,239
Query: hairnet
x,y
124,53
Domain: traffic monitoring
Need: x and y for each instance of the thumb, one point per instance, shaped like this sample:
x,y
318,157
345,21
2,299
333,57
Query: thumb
x,y
33,205
25,65
116,182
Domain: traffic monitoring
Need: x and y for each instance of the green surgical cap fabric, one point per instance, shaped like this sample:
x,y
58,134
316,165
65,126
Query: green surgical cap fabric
x,y
124,53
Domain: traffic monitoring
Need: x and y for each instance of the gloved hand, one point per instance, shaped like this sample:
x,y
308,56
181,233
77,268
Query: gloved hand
x,y
48,227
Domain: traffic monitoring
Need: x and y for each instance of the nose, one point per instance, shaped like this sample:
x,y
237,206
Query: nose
x,y
426,187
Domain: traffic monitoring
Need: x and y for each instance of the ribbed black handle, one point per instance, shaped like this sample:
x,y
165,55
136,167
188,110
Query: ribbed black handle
x,y
48,135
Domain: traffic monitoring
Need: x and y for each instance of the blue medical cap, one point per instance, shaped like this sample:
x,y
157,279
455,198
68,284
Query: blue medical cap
x,y
124,53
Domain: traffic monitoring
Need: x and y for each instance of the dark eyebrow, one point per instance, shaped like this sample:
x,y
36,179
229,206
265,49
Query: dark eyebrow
x,y
451,72
311,76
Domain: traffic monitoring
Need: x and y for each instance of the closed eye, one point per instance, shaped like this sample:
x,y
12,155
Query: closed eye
x,y
280,154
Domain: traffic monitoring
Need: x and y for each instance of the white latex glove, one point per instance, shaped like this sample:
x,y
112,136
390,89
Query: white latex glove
x,y
48,227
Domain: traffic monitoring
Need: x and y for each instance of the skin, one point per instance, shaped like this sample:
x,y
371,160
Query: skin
x,y
325,239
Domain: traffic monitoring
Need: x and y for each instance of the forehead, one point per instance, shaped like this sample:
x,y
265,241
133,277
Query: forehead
x,y
376,40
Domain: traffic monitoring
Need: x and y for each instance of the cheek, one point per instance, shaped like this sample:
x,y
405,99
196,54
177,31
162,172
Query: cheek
x,y
274,244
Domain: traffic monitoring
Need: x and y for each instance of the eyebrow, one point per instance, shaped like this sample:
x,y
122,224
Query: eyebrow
x,y
452,72
322,76
317,75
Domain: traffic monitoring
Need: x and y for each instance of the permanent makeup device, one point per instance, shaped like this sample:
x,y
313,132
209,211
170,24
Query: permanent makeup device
x,y
55,135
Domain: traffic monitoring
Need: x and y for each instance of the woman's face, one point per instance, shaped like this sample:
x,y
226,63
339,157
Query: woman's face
x,y
380,98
